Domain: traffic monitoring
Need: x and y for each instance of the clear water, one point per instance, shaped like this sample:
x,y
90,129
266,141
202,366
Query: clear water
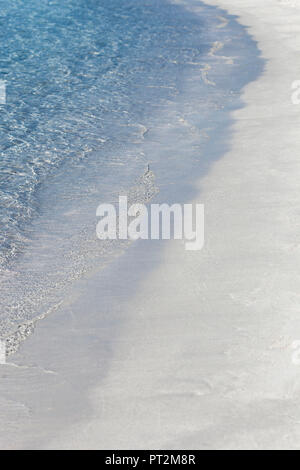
x,y
96,89
78,73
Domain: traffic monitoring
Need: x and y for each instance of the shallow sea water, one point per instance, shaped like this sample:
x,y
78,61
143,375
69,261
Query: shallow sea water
x,y
96,90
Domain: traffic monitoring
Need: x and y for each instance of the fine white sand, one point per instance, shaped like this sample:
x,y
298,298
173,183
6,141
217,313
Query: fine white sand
x,y
204,357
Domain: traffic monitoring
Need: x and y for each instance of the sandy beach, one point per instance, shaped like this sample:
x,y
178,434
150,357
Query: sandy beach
x,y
196,350
222,375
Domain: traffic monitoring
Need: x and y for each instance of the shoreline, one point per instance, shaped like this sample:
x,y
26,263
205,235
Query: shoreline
x,y
61,247
200,355
222,323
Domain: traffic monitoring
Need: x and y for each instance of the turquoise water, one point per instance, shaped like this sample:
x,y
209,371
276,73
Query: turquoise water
x,y
78,74
96,90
